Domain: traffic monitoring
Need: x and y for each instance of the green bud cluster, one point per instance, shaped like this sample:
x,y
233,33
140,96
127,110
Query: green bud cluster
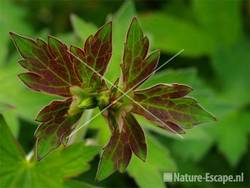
x,y
87,99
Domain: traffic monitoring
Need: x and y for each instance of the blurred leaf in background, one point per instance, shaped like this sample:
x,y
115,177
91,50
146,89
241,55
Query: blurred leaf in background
x,y
10,22
215,30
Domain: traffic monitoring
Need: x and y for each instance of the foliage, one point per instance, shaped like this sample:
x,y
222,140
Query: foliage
x,y
215,36
18,171
76,74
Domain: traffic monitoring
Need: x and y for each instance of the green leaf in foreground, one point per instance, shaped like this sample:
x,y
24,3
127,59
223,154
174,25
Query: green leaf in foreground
x,y
17,171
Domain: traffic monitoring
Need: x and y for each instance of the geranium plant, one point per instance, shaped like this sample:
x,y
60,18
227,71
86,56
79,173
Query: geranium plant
x,y
78,76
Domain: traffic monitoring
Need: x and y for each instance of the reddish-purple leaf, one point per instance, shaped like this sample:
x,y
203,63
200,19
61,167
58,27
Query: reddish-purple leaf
x,y
116,155
137,66
55,126
127,137
169,108
50,67
96,53
135,136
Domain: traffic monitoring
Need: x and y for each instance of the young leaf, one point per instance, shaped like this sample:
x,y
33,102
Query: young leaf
x,y
117,153
136,64
55,126
96,53
49,65
167,102
135,137
121,19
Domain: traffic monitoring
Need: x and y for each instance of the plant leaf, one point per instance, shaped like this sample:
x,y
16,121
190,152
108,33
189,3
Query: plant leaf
x,y
169,33
50,67
82,28
222,10
14,21
96,53
8,145
167,102
136,66
135,137
117,153
16,171
121,19
78,184
148,174
55,126
234,124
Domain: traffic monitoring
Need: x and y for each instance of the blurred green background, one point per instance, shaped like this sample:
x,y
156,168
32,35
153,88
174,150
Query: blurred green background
x,y
215,36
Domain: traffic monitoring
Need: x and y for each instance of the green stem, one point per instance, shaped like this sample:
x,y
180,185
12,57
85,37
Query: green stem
x,y
78,136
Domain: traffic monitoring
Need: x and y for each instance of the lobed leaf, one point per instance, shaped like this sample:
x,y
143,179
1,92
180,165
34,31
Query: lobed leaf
x,y
96,53
55,126
137,66
51,172
50,67
120,20
135,137
117,153
167,103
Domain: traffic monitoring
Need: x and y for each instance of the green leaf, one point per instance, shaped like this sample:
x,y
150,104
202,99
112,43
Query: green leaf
x,y
9,146
233,125
17,171
26,104
171,35
149,174
196,144
78,184
234,60
137,66
70,161
219,17
82,28
11,19
10,117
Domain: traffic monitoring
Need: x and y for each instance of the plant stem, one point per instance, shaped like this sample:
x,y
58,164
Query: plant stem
x,y
78,136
